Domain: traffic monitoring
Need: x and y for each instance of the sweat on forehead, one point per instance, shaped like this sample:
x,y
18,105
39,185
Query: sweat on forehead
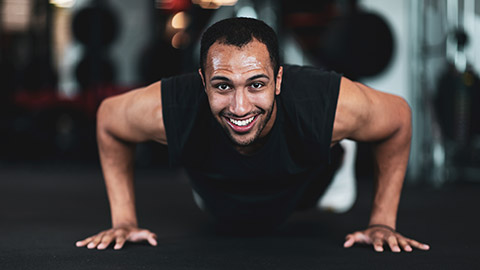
x,y
222,55
240,32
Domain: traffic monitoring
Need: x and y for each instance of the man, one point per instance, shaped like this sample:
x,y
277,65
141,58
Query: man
x,y
258,140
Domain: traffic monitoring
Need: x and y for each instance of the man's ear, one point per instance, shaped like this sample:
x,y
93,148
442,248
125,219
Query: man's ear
x,y
201,75
278,83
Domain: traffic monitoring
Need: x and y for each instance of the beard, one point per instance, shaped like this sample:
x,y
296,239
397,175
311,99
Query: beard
x,y
261,126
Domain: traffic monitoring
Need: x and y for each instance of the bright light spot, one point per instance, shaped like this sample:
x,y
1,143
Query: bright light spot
x,y
225,2
180,39
180,20
438,155
247,12
213,4
15,15
63,3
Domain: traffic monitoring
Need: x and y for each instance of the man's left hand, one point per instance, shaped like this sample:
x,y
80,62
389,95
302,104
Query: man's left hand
x,y
379,236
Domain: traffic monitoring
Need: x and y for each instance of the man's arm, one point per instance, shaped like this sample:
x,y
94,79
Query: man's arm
x,y
364,114
123,121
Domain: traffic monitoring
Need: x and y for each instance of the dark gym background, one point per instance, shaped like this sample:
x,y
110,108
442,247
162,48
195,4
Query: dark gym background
x,y
60,58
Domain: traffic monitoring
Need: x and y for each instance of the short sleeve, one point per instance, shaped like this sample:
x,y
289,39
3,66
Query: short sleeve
x,y
310,98
182,100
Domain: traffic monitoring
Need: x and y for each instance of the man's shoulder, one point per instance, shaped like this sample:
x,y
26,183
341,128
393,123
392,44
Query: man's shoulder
x,y
183,90
305,70
308,81
182,81
308,98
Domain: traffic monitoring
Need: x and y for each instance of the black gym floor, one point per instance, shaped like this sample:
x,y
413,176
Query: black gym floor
x,y
45,209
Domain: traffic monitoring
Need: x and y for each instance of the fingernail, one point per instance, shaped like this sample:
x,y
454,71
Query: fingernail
x,y
91,245
396,249
408,248
426,246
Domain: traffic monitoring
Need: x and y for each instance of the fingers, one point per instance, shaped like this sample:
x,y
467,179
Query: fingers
x,y
83,242
142,235
378,244
418,244
392,242
392,239
378,237
120,242
106,240
152,239
404,244
350,240
357,237
396,241
118,235
95,241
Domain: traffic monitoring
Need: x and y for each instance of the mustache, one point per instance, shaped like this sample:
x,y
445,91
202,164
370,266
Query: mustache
x,y
232,115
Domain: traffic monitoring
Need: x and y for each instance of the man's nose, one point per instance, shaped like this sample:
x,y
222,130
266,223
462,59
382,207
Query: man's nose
x,y
241,105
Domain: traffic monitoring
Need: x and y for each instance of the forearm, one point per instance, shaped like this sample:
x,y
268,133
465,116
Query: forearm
x,y
391,160
117,161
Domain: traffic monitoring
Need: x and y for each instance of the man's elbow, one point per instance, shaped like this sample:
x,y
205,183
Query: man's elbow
x,y
104,113
405,114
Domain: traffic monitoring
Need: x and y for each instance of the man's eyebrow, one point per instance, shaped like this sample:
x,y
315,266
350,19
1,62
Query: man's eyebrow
x,y
220,78
254,77
257,77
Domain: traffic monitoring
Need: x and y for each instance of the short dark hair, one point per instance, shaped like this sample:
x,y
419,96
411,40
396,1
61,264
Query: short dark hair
x,y
239,32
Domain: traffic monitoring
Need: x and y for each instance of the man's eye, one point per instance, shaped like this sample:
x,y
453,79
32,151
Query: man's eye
x,y
256,85
222,86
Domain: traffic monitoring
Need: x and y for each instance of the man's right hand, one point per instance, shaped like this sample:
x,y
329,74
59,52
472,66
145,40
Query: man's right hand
x,y
119,236
123,121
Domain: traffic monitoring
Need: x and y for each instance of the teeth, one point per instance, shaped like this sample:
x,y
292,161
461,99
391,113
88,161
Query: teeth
x,y
242,123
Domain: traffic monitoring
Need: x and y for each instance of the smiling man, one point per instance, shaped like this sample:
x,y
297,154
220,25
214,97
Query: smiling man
x,y
241,85
258,140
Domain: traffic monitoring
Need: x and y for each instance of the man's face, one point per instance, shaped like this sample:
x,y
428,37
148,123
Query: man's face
x,y
241,89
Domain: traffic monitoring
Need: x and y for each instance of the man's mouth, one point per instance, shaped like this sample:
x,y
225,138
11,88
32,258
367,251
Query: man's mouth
x,y
241,123
242,126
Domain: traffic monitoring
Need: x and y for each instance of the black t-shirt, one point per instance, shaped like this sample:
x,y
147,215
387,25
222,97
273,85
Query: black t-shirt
x,y
268,183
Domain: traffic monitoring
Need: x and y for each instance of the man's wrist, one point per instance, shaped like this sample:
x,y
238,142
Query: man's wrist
x,y
123,223
388,218
382,226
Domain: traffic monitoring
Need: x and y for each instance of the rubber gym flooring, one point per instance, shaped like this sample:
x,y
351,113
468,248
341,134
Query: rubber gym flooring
x,y
45,209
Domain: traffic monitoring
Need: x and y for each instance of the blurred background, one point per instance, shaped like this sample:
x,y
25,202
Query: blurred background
x,y
60,58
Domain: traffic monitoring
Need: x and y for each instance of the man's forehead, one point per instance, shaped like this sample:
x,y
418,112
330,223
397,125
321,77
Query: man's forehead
x,y
253,55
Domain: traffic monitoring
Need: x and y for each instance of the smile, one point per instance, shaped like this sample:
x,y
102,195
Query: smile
x,y
242,123
241,126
